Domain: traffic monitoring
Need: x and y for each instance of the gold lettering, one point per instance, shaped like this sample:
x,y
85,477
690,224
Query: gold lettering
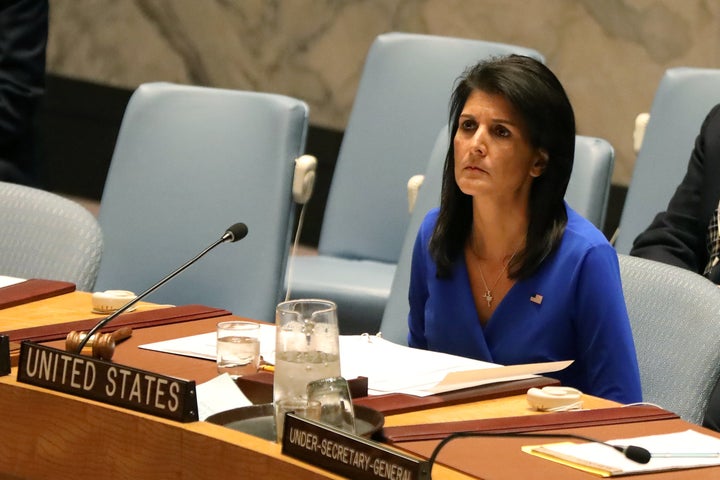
x,y
75,372
174,403
150,379
66,361
111,386
30,367
89,376
45,364
160,392
125,374
136,390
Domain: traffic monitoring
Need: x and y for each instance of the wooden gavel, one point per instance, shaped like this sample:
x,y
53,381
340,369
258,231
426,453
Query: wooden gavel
x,y
100,345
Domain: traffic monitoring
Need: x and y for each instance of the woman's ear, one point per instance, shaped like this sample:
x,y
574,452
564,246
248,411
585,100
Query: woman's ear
x,y
540,163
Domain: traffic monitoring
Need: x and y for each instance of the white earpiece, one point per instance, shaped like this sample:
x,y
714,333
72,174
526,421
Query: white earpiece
x,y
304,178
110,300
553,399
413,186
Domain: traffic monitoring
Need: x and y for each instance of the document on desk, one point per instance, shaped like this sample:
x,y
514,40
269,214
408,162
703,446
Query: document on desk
x,y
204,345
6,281
219,394
670,451
393,368
389,367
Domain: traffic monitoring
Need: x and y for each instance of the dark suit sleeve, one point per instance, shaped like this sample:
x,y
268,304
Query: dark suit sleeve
x,y
23,39
677,236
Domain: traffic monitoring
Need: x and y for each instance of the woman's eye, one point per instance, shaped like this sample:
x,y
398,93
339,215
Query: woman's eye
x,y
502,131
467,124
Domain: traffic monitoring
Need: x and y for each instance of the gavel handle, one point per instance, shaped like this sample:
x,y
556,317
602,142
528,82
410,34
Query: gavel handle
x,y
121,334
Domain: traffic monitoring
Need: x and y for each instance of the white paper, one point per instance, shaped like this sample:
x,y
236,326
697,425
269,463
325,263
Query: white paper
x,y
389,367
468,378
393,368
218,395
6,281
687,442
204,345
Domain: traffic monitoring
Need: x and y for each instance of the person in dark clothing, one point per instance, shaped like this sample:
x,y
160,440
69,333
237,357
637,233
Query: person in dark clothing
x,y
23,42
686,233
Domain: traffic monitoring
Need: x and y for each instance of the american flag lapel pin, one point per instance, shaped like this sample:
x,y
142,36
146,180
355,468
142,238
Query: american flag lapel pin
x,y
537,298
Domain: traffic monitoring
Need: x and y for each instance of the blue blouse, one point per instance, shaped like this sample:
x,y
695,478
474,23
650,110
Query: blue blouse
x,y
581,315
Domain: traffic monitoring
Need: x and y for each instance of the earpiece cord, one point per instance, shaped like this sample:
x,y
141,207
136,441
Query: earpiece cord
x,y
291,260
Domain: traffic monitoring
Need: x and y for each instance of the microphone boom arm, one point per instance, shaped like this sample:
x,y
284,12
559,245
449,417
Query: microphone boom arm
x,y
232,234
632,452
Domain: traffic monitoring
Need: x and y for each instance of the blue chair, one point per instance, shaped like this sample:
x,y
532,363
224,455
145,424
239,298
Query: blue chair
x,y
682,100
587,193
189,162
402,100
47,236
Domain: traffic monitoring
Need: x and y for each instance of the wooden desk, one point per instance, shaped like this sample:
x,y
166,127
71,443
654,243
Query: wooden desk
x,y
52,435
501,458
60,309
49,434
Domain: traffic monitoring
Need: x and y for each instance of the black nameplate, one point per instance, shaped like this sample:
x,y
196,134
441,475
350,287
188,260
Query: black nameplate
x,y
349,455
4,355
107,382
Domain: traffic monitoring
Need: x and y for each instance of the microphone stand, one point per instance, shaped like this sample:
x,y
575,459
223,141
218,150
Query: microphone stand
x,y
232,234
632,452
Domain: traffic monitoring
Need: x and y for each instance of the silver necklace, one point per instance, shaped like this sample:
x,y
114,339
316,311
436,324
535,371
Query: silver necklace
x,y
488,291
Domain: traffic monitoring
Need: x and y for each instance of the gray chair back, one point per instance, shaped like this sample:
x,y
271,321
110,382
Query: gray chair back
x,y
589,187
674,315
587,193
394,325
47,236
189,162
682,100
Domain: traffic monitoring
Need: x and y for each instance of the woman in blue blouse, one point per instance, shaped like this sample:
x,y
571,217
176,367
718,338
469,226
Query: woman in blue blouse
x,y
505,271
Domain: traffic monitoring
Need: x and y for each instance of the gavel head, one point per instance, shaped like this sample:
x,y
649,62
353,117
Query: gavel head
x,y
100,345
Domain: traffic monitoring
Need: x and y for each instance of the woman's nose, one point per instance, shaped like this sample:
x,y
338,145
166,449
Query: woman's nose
x,y
479,140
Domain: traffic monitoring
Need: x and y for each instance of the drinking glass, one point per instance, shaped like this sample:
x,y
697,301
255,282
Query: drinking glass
x,y
306,347
336,406
300,407
238,348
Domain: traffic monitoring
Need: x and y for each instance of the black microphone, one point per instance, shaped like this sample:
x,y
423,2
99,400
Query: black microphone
x,y
632,452
234,233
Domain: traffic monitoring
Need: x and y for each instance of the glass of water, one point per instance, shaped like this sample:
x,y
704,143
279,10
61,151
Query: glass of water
x,y
238,348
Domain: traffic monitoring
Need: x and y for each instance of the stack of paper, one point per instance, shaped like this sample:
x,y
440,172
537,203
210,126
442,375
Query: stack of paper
x,y
672,451
389,367
6,281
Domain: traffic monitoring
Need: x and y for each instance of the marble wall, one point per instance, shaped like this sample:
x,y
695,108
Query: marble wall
x,y
609,54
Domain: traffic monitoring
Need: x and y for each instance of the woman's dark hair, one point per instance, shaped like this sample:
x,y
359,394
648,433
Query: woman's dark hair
x,y
539,98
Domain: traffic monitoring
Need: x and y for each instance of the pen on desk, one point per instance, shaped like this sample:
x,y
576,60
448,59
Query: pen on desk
x,y
267,368
686,455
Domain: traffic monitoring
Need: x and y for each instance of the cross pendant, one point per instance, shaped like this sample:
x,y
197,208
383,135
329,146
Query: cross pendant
x,y
488,296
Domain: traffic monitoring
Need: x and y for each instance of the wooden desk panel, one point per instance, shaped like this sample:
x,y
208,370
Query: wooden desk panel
x,y
49,434
52,435
502,459
60,309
